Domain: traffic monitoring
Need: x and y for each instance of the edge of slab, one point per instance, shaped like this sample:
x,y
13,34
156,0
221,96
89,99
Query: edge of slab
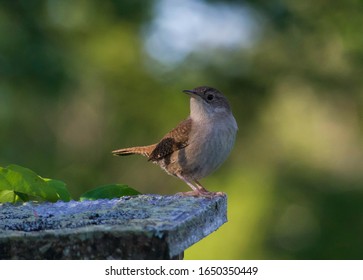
x,y
181,230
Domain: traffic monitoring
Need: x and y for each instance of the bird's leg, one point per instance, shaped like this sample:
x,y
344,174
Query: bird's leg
x,y
198,189
195,189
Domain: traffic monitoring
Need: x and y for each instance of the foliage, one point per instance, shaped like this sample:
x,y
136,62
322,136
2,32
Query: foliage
x,y
19,184
108,192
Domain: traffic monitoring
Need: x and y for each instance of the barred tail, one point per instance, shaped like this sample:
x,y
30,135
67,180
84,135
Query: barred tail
x,y
143,150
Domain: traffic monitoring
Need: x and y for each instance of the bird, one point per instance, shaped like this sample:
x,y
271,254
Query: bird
x,y
198,145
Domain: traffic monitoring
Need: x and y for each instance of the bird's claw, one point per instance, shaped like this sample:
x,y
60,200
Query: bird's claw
x,y
200,193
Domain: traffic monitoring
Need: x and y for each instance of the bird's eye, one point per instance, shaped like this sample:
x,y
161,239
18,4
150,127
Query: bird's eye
x,y
210,97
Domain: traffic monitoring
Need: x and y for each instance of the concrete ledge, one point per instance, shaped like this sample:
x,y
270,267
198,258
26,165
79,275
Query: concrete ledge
x,y
138,227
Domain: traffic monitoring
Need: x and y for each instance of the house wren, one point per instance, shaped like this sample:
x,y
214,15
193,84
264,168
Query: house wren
x,y
199,144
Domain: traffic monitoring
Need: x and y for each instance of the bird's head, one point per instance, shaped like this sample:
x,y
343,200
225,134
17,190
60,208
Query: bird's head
x,y
207,102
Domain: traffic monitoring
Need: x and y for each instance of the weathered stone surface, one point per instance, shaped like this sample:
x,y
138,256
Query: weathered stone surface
x,y
139,227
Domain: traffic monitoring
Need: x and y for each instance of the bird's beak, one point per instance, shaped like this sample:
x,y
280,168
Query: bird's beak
x,y
191,93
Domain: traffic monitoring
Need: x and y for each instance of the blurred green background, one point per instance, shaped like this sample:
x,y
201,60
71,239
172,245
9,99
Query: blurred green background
x,y
81,78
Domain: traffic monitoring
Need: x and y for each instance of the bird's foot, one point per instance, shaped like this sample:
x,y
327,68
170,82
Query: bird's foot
x,y
201,193
197,189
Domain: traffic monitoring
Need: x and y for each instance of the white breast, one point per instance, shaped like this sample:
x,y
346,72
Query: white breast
x,y
212,142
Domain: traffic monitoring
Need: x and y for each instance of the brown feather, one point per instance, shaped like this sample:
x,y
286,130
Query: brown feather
x,y
174,140
143,150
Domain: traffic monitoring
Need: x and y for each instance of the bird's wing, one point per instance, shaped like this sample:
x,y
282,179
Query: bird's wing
x,y
175,140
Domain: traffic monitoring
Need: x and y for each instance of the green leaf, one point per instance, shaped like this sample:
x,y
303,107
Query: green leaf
x,y
60,188
108,192
21,197
7,196
20,184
